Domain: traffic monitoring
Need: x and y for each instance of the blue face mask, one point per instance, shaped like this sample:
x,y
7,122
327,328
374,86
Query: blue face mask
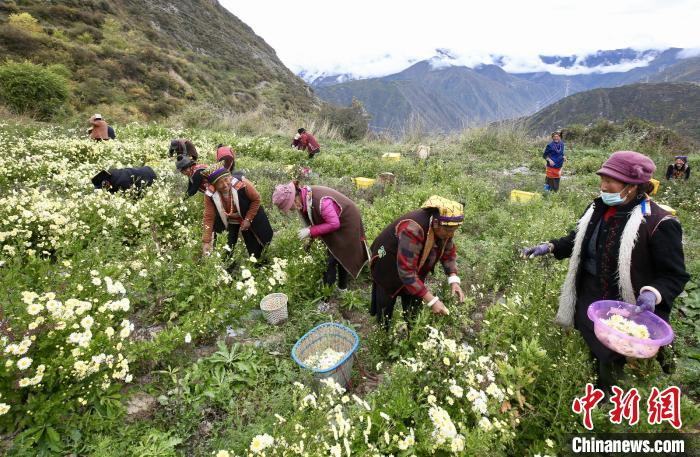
x,y
612,199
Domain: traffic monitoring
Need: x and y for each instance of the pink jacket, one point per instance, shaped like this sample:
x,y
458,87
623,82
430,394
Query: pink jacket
x,y
330,212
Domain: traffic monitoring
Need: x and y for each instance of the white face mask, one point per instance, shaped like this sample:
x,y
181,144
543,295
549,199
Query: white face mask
x,y
613,198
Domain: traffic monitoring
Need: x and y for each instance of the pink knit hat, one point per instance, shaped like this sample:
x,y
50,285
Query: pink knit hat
x,y
283,196
628,167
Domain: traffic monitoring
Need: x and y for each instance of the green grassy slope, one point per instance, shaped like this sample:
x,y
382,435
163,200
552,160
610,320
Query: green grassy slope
x,y
151,58
673,105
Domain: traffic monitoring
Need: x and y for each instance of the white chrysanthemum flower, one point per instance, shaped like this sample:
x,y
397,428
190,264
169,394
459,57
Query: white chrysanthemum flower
x,y
4,408
24,363
34,309
261,442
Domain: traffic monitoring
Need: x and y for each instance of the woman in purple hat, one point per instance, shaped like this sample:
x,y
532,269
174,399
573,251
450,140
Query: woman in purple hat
x,y
626,248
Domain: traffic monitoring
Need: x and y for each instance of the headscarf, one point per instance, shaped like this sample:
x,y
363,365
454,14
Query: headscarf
x,y
451,213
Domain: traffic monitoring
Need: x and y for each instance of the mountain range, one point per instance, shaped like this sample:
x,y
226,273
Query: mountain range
x,y
439,94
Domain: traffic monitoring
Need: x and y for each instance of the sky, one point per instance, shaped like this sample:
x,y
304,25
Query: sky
x,y
378,37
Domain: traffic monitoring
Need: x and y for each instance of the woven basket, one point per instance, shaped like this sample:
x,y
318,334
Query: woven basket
x,y
274,308
329,335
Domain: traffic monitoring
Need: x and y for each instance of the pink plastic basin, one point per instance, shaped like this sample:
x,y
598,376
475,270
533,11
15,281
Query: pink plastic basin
x,y
660,333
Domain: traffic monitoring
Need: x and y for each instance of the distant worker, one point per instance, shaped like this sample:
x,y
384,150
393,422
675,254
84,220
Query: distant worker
x,y
99,129
334,219
679,169
233,201
554,155
182,147
227,155
122,179
305,141
407,250
188,167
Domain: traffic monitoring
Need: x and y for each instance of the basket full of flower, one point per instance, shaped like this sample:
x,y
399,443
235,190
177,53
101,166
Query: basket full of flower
x,y
327,350
274,308
620,328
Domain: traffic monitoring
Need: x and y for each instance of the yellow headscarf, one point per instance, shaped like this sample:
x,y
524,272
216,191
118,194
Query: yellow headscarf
x,y
451,212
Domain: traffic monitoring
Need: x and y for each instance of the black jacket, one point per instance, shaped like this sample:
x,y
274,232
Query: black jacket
x,y
657,257
125,178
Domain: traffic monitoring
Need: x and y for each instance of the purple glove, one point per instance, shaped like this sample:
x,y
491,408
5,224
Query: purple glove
x,y
535,251
646,302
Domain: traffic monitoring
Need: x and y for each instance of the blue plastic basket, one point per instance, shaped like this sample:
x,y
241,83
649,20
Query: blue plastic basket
x,y
328,335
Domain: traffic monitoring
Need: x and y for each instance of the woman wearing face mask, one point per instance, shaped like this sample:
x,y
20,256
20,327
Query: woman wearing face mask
x,y
626,248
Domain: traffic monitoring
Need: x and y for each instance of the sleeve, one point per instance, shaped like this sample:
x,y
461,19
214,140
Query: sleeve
x,y
330,212
411,241
687,172
545,154
669,171
449,258
563,247
668,259
254,197
208,220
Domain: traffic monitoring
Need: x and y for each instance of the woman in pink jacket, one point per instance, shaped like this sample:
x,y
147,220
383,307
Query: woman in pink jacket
x,y
332,217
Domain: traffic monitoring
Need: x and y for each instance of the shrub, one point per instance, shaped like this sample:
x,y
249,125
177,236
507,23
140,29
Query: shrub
x,y
31,89
26,22
351,121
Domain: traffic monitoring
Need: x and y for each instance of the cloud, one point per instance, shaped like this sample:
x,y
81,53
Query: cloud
x,y
372,38
688,53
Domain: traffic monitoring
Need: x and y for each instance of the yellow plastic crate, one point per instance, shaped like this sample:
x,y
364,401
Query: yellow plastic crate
x,y
520,196
667,208
392,156
363,183
656,185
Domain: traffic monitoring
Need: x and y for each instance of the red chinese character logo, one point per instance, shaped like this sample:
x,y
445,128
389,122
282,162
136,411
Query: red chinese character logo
x,y
665,406
626,406
586,403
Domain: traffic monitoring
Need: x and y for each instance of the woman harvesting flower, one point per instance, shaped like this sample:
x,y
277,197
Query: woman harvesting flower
x,y
625,247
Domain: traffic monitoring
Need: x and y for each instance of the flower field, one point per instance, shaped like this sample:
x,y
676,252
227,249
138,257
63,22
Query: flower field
x,y
119,339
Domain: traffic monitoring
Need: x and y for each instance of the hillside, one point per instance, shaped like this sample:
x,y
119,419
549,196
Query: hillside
x,y
686,70
673,105
150,58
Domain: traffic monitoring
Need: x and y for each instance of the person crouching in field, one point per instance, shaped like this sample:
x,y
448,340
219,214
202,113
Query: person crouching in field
x,y
181,147
234,200
554,155
335,219
193,170
122,179
625,248
99,130
305,141
679,169
227,155
407,250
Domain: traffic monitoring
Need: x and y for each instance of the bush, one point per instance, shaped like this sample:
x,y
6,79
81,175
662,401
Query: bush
x,y
351,121
26,22
31,89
